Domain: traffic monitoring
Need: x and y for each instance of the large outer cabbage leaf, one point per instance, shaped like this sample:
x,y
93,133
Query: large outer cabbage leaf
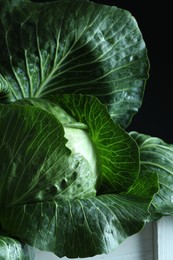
x,y
72,47
82,227
156,156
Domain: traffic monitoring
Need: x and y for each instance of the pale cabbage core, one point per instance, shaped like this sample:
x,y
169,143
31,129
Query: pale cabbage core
x,y
80,142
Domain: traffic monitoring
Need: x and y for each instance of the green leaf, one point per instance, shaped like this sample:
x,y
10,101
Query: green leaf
x,y
157,156
116,151
12,249
35,163
82,227
4,90
54,48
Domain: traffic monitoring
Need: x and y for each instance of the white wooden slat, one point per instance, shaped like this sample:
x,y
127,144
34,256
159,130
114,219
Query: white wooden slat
x,y
136,247
163,236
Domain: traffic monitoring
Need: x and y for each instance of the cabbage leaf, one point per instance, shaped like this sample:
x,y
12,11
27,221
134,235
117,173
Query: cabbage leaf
x,y
53,48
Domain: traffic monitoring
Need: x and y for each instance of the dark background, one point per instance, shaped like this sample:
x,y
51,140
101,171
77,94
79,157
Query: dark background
x,y
155,117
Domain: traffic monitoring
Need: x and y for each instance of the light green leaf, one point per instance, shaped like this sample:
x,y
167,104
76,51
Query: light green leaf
x,y
116,151
157,156
73,47
12,249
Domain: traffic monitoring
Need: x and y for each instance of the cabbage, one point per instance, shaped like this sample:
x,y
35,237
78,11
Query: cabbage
x,y
73,181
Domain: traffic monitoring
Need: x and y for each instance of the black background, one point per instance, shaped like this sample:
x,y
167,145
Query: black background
x,y
155,117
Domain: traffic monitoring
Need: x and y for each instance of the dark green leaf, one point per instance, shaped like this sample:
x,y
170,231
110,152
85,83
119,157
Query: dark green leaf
x,y
73,47
157,156
82,227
